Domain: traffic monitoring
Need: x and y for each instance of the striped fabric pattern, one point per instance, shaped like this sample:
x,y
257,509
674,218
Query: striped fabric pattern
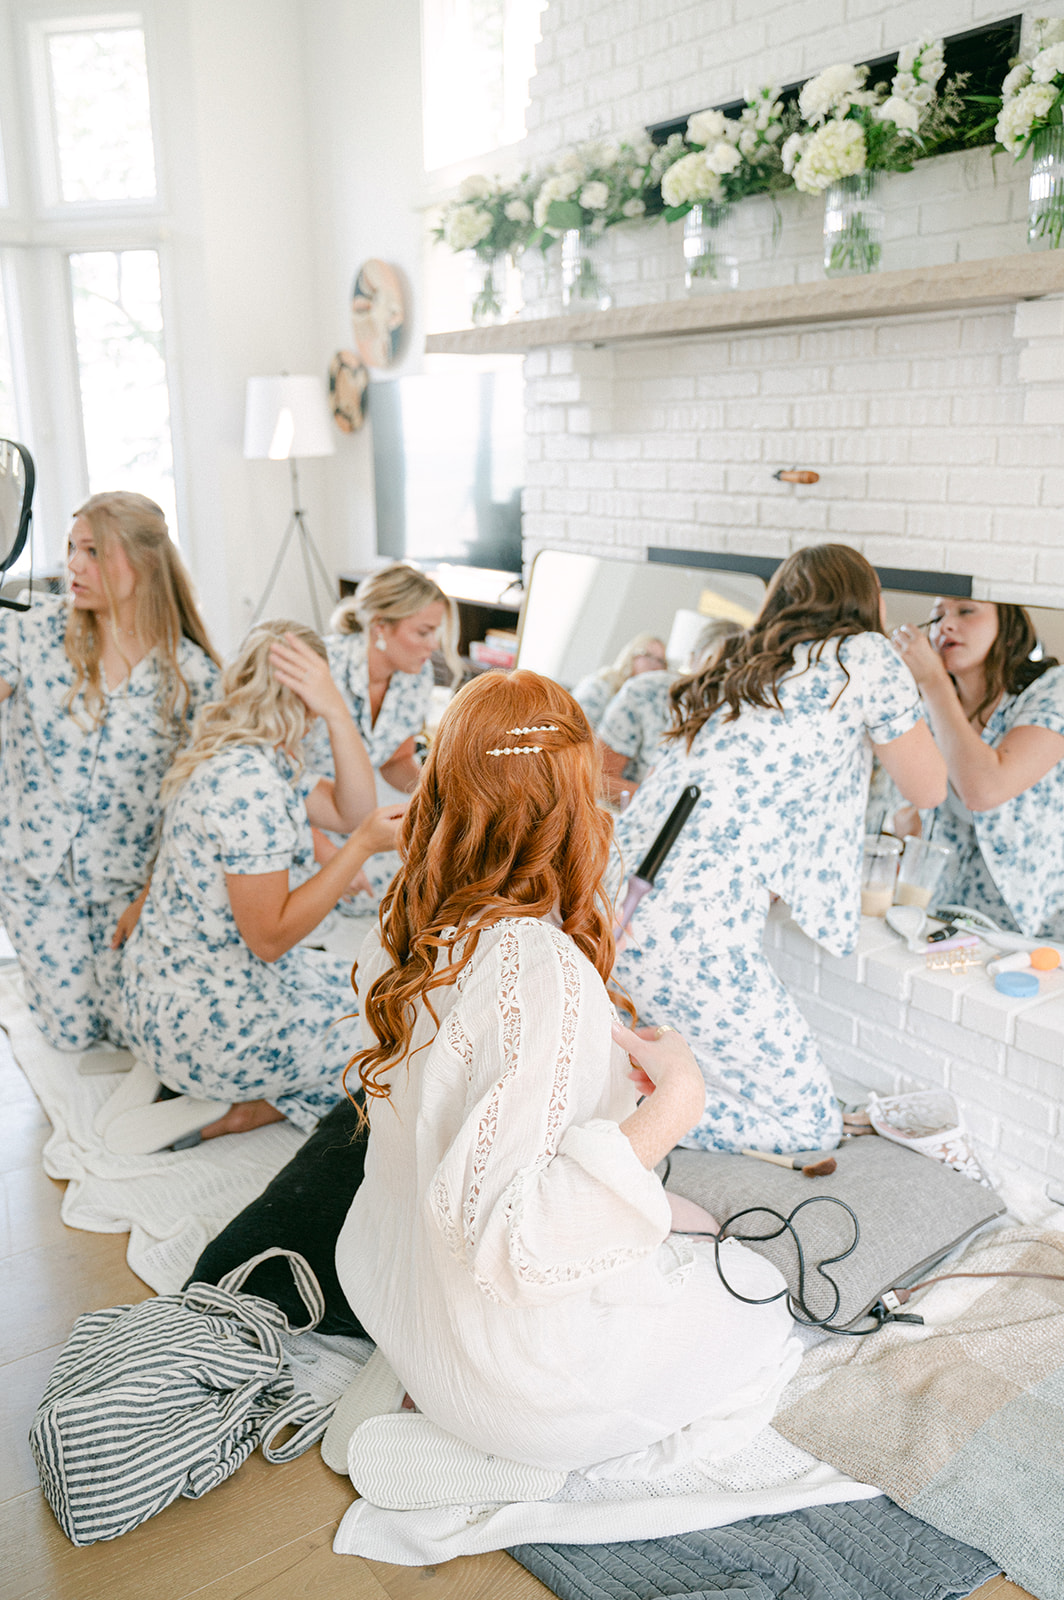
x,y
168,1398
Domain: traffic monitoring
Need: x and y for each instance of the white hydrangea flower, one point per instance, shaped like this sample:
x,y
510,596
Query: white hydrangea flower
x,y
635,177
595,196
466,226
665,154
689,181
633,208
721,157
792,149
905,117
641,148
1047,64
748,141
561,187
517,211
706,126
1019,114
837,150
834,90
569,161
601,152
474,188
1017,79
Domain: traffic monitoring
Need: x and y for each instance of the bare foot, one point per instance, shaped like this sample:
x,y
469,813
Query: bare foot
x,y
242,1117
688,1217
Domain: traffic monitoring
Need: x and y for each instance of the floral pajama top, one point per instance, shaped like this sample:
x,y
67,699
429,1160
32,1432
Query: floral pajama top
x,y
403,710
636,719
92,791
1013,855
198,1000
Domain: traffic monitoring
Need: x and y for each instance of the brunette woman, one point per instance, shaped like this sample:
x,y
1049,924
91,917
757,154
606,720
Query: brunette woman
x,y
778,730
100,689
997,714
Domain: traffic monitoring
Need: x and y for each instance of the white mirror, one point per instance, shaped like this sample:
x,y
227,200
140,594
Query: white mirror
x,y
581,610
16,500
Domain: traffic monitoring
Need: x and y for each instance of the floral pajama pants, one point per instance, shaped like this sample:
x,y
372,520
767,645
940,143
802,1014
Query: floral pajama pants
x,y
699,966
62,937
288,1046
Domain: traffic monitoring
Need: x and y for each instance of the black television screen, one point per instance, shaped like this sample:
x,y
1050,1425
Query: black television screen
x,y
449,465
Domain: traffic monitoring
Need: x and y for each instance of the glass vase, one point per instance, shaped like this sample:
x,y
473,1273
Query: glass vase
x,y
583,281
710,262
1045,193
488,278
853,226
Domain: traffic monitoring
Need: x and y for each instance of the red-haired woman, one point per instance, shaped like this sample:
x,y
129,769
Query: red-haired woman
x,y
509,1247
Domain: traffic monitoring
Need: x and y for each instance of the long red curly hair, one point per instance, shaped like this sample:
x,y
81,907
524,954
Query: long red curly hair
x,y
488,835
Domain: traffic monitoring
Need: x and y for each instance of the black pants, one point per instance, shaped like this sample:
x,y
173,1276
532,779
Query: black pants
x,y
303,1208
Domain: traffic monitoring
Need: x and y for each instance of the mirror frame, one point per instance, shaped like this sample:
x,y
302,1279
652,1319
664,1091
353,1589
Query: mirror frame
x,y
25,519
914,579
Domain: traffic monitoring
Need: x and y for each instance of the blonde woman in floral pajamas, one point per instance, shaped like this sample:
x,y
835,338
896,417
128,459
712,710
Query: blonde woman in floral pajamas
x,y
222,1000
99,690
778,731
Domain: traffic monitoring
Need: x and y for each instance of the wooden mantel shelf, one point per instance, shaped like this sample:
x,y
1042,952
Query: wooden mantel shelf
x,y
954,287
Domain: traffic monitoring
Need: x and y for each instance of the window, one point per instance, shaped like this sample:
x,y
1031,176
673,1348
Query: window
x,y
101,146
87,261
125,403
478,57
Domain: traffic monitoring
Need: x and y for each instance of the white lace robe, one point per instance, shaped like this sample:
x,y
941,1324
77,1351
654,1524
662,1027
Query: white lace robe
x,y
512,1256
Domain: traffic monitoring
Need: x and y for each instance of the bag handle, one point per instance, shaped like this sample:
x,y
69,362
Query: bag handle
x,y
309,1420
303,1274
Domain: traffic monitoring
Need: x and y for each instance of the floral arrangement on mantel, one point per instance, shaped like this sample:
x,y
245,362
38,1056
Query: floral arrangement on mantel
x,y
850,132
721,158
842,133
593,187
1032,118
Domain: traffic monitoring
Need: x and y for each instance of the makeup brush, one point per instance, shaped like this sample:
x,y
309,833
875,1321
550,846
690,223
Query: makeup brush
x,y
820,1166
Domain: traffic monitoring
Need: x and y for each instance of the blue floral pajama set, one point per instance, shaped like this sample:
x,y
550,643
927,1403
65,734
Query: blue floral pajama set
x,y
781,811
406,704
79,822
593,694
1009,861
635,720
207,1015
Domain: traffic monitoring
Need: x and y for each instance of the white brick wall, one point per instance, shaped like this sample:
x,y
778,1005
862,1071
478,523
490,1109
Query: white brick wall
x,y
882,1020
937,437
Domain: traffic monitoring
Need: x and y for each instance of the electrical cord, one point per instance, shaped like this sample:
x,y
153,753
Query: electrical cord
x,y
886,1309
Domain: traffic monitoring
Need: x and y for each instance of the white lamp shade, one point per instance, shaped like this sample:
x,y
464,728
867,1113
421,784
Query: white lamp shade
x,y
287,417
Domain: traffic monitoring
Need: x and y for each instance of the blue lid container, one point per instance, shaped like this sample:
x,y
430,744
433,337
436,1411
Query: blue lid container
x,y
1021,985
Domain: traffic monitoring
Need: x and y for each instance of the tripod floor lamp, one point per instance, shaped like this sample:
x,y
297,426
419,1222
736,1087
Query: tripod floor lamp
x,y
287,419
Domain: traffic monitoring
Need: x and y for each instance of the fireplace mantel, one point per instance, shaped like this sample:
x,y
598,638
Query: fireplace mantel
x,y
1001,280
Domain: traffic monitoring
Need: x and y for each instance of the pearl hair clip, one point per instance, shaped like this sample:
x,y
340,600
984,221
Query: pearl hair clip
x,y
524,749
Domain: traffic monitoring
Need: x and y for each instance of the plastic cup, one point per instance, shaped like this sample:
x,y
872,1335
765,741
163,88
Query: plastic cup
x,y
920,872
877,877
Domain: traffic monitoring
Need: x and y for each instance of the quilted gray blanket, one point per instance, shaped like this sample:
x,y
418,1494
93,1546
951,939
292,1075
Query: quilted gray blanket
x,y
844,1552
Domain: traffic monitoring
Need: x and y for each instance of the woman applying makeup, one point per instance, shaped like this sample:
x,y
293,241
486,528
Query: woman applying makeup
x,y
997,715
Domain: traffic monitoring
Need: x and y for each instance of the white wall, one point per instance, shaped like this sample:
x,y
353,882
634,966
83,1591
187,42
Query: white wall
x,y
933,446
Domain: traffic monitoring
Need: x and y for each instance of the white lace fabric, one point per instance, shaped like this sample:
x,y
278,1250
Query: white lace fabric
x,y
509,1252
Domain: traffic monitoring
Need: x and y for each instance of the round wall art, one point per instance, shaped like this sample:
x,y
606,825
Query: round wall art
x,y
377,313
347,391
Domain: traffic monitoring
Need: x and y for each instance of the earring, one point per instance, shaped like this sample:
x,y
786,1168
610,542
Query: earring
x,y
379,642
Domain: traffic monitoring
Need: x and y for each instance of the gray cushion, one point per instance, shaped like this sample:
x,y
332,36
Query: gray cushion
x,y
911,1211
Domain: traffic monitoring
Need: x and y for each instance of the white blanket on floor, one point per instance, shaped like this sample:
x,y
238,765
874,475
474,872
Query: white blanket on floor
x,y
171,1204
769,1477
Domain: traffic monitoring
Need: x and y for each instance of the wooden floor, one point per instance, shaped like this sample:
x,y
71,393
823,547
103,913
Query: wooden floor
x,y
266,1533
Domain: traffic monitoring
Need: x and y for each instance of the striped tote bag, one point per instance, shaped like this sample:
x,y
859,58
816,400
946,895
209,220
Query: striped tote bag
x,y
168,1398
